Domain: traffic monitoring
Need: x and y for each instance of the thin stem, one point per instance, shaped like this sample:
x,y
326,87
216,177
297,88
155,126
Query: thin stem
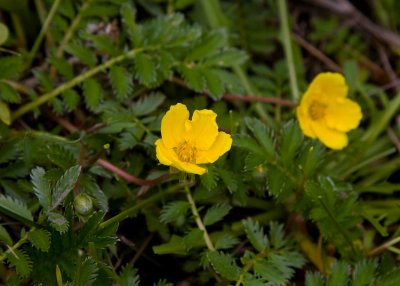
x,y
72,28
77,80
287,45
17,245
249,265
198,220
43,32
132,210
384,246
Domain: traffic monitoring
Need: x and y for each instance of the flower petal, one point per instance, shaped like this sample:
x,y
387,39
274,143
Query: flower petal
x,y
343,115
168,157
204,129
173,125
222,144
330,137
331,85
305,120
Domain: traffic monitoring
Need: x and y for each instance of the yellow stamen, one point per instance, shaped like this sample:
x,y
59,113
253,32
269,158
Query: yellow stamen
x,y
316,110
186,152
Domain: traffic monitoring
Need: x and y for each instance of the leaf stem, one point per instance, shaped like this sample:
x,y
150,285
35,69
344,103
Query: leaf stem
x,y
384,246
198,220
75,81
130,211
287,45
17,245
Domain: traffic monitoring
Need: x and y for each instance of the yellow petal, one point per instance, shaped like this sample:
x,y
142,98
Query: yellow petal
x,y
173,125
343,115
329,137
168,157
204,129
222,144
331,85
305,121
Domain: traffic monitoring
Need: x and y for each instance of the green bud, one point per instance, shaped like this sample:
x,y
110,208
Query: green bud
x,y
83,204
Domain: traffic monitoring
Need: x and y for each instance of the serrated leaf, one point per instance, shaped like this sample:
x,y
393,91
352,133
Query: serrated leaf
x,y
128,276
193,238
121,82
9,94
65,185
62,66
102,43
277,235
93,190
255,234
260,132
225,240
21,261
104,237
85,55
60,156
227,58
128,13
391,278
338,275
41,187
11,66
5,114
173,211
247,142
92,92
175,245
145,69
291,141
314,279
216,213
40,239
148,104
193,77
225,265
86,272
210,179
89,228
14,206
229,180
4,236
213,83
58,222
71,99
278,183
208,45
364,273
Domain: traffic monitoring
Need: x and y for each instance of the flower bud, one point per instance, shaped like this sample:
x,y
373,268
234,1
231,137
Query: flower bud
x,y
83,204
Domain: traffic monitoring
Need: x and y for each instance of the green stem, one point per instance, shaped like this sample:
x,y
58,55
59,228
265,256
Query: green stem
x,y
132,210
77,80
198,220
249,265
72,28
17,245
43,32
287,45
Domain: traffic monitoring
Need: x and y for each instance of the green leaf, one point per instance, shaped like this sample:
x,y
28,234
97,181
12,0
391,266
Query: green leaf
x,y
255,234
277,235
103,43
78,50
224,265
208,45
246,142
128,13
210,179
163,282
176,245
291,142
260,132
41,187
128,276
21,261
148,104
213,83
278,182
364,273
14,206
9,94
60,156
4,236
229,180
216,213
65,185
145,69
71,99
5,114
63,67
174,210
391,278
121,82
40,239
93,93
4,33
314,279
227,58
225,240
338,275
195,237
86,272
193,76
11,67
58,222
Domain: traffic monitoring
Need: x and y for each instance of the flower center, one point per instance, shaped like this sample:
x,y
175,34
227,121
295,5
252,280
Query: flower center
x,y
186,152
316,110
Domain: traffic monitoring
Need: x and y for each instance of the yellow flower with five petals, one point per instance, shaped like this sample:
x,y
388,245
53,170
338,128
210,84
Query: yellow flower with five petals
x,y
186,144
326,113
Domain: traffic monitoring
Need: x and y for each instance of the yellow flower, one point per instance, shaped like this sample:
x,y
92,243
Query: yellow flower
x,y
185,143
326,113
